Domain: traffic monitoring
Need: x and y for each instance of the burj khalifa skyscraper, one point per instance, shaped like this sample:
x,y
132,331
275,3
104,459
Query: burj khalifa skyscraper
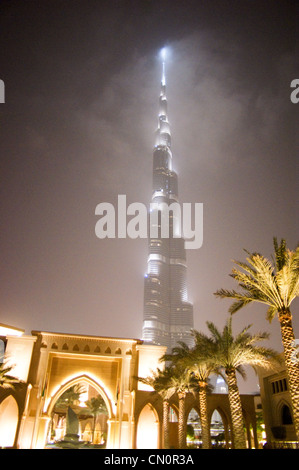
x,y
168,315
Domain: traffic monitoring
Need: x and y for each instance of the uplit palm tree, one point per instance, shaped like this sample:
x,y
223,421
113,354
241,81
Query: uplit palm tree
x,y
194,360
159,381
181,381
275,285
203,366
167,382
7,380
96,406
70,396
232,354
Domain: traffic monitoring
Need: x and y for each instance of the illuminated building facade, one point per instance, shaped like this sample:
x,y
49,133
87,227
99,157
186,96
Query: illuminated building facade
x,y
168,316
51,365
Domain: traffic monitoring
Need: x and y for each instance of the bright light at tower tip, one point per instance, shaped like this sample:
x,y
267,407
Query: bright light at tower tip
x,y
163,53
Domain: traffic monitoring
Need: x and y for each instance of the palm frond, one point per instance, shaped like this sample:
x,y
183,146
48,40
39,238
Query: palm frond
x,y
234,351
288,277
214,330
265,281
279,253
7,380
240,369
273,284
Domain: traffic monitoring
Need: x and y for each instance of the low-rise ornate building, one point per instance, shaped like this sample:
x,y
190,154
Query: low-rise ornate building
x,y
52,368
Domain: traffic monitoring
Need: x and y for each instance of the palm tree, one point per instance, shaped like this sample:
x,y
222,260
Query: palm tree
x,y
276,285
194,360
173,379
70,396
202,365
181,381
159,381
96,406
6,380
232,354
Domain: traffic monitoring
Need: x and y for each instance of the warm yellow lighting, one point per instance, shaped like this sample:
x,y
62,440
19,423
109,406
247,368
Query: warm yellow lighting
x,y
8,421
18,354
6,330
148,429
85,378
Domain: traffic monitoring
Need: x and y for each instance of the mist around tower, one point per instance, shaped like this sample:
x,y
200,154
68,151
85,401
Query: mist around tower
x,y
166,218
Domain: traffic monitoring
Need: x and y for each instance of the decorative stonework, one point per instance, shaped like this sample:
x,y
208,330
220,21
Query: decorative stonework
x,y
86,344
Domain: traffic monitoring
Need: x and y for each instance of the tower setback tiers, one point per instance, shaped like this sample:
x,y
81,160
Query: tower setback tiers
x,y
168,316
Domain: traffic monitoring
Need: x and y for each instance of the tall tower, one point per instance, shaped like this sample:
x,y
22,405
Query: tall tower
x,y
168,316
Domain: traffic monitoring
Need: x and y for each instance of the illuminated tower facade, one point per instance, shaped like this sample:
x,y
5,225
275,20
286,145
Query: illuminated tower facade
x,y
168,316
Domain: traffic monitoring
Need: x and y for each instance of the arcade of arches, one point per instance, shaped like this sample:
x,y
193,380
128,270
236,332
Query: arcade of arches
x,y
81,391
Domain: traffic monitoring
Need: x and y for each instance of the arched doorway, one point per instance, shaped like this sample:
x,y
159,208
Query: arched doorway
x,y
148,428
9,415
193,429
173,427
217,429
79,416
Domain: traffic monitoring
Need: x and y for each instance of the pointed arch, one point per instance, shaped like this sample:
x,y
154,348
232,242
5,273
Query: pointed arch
x,y
75,381
9,417
148,428
193,425
285,413
216,429
221,413
173,413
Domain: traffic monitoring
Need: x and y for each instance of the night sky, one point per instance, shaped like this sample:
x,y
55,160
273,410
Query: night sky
x,y
82,81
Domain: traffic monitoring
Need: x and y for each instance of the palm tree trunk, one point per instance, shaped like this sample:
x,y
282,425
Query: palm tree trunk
x,y
292,363
94,428
205,428
181,423
235,409
165,424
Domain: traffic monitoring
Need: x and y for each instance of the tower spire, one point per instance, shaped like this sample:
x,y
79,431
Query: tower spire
x,y
163,55
163,135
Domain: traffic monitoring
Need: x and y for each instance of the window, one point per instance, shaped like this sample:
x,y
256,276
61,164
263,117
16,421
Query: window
x,y
279,386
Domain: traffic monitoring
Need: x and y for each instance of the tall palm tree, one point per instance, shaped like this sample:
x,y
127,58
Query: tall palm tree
x,y
181,381
202,365
232,354
276,285
194,360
